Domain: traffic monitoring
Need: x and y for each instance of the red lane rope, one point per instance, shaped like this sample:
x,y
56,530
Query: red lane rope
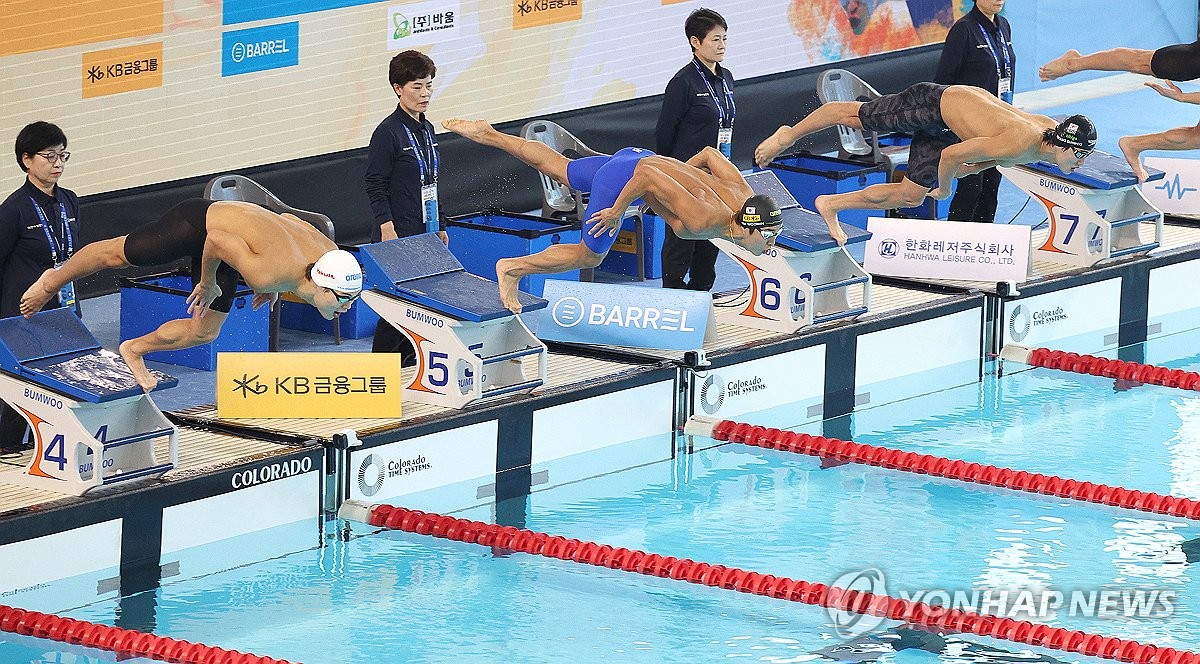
x,y
731,578
124,642
1103,366
979,473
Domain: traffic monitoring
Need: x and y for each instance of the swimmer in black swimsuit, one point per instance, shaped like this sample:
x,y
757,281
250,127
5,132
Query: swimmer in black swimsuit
x,y
1178,62
273,253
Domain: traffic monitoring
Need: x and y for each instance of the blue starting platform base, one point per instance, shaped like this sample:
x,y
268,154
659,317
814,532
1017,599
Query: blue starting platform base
x,y
1095,213
422,270
56,350
92,424
806,278
469,346
1100,170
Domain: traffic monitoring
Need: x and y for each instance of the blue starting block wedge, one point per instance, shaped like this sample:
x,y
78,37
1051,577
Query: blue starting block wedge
x,y
806,277
92,424
1096,213
1100,170
421,269
805,230
54,349
469,347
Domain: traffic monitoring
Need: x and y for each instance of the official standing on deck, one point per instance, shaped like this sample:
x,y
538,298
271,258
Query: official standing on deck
x,y
979,52
402,174
697,112
38,225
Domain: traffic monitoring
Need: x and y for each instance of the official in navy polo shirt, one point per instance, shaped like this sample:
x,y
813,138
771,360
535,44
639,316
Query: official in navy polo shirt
x,y
979,52
402,173
697,112
38,224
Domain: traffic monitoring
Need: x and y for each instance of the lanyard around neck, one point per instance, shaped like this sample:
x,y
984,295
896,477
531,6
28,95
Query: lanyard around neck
x,y
427,164
722,111
53,240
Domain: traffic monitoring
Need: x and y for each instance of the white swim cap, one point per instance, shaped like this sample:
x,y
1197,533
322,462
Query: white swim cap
x,y
337,270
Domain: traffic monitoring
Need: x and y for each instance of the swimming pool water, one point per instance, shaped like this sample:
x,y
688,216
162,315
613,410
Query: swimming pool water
x,y
370,596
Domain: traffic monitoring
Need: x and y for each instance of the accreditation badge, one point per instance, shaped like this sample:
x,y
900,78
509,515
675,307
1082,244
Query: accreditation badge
x,y
429,207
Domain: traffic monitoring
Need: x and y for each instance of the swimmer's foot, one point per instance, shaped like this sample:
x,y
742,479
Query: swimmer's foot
x,y
829,214
1058,67
137,366
36,296
1133,156
476,130
771,147
508,277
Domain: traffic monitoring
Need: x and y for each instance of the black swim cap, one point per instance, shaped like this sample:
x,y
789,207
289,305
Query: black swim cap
x,y
1076,132
758,211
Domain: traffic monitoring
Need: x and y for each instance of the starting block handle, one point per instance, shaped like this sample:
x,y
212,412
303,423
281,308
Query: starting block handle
x,y
137,438
140,472
512,355
1134,220
844,283
849,313
1133,250
515,387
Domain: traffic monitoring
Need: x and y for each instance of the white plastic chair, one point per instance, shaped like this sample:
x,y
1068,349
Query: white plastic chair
x,y
241,188
558,198
842,85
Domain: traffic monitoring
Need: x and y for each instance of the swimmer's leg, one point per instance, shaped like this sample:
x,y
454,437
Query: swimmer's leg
x,y
538,155
88,260
1179,138
904,193
552,259
1134,60
171,335
827,115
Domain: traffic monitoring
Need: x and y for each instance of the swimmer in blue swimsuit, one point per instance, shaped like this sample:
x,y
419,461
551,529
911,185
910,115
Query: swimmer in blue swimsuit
x,y
702,199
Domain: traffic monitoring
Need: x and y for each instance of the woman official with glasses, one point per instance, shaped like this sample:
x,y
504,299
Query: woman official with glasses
x,y
37,232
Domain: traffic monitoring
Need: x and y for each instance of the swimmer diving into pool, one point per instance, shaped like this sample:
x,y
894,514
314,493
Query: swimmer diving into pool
x,y
226,240
957,130
702,199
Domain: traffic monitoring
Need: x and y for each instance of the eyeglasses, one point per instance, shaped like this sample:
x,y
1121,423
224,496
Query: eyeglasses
x,y
344,298
55,156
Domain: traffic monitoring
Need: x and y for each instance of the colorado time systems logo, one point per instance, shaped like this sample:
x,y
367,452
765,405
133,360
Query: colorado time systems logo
x,y
712,394
1022,320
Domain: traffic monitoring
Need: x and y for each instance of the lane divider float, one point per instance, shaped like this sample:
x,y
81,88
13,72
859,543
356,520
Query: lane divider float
x,y
1102,366
928,616
927,464
124,642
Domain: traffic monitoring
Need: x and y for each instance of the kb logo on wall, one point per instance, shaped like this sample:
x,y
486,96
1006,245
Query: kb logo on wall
x,y
712,394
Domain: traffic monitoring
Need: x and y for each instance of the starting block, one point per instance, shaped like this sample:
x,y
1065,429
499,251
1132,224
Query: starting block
x,y
806,277
469,347
1096,212
92,423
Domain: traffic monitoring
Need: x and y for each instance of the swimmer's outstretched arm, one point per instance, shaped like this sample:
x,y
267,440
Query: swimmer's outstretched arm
x,y
984,149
